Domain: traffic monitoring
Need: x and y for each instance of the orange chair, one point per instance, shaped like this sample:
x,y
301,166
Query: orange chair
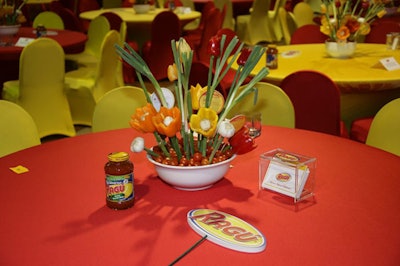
x,y
157,52
309,33
380,29
316,101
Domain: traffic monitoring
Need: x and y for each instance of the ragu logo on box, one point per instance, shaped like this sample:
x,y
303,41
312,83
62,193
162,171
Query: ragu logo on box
x,y
226,230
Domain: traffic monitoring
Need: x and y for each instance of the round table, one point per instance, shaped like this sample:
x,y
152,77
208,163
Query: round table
x,y
365,84
139,25
71,42
55,214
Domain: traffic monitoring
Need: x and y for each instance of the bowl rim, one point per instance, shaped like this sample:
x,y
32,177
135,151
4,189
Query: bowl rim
x,y
190,167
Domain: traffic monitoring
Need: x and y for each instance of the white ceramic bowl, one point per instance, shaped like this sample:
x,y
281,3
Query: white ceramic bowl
x,y
141,9
340,50
192,177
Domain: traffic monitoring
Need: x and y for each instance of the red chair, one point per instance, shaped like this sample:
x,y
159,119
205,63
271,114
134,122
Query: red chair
x,y
193,37
70,19
157,51
379,30
360,128
212,25
308,34
316,101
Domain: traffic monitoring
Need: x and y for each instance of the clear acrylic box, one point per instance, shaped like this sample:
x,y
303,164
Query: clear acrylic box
x,y
287,178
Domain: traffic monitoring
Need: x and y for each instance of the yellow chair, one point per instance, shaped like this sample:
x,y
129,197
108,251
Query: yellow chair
x,y
272,102
274,18
40,88
287,23
256,27
229,21
195,23
303,14
86,85
98,28
49,19
18,131
114,109
384,132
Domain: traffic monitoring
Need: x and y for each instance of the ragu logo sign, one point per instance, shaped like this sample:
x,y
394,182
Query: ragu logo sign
x,y
226,230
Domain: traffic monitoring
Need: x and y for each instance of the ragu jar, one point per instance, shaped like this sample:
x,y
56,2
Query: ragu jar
x,y
272,57
119,181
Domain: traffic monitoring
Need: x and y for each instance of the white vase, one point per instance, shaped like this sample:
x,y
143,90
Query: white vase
x,y
141,8
340,49
7,33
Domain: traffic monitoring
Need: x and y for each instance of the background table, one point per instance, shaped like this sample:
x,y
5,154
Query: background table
x,y
55,214
139,25
240,7
365,84
71,42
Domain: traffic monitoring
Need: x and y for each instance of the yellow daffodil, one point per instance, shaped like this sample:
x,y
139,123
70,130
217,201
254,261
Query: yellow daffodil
x,y
172,72
204,122
196,93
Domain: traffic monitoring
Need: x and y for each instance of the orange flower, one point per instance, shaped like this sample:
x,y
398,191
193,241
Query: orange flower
x,y
141,120
168,121
343,33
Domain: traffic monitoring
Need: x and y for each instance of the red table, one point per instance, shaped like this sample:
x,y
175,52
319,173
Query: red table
x,y
55,214
71,41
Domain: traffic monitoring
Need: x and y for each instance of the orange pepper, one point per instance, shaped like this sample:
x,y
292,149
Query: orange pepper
x,y
168,121
141,120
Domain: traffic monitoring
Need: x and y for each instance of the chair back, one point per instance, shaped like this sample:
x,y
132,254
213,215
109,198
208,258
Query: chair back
x,y
308,34
112,3
212,24
259,27
49,19
229,20
380,29
287,23
69,18
384,132
272,102
316,101
18,131
98,28
157,52
41,87
115,108
106,78
303,14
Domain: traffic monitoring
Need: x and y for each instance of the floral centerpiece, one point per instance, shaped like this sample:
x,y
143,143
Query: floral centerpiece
x,y
190,123
9,14
346,21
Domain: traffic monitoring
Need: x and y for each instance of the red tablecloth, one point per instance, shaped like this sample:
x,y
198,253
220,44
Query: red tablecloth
x,y
71,41
55,214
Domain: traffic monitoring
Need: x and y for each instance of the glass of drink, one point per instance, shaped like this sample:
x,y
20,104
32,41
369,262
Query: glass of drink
x,y
253,123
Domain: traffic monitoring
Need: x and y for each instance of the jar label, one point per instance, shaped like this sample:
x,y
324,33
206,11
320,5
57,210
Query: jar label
x,y
271,59
119,188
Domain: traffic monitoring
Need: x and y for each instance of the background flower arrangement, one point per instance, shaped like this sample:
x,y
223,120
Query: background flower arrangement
x,y
344,20
195,130
10,12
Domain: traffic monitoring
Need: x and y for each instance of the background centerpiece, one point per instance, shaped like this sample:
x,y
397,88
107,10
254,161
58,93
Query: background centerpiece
x,y
345,21
190,123
11,18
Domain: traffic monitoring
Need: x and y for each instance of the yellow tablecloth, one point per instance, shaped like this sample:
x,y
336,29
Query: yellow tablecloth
x,y
365,84
139,25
